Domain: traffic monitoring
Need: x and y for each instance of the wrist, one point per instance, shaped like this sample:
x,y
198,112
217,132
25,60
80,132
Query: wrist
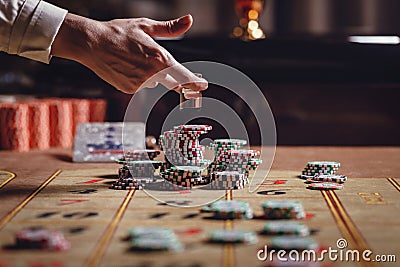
x,y
74,39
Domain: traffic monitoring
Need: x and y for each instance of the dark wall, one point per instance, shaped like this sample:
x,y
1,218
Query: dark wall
x,y
322,89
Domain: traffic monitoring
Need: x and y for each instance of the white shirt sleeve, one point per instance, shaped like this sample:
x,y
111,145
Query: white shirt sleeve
x,y
28,27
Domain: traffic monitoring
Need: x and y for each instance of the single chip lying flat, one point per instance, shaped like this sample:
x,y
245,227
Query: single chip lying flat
x,y
154,238
286,228
233,236
283,209
293,242
231,209
325,186
42,239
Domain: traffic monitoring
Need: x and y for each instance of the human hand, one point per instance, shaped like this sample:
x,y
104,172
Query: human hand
x,y
123,53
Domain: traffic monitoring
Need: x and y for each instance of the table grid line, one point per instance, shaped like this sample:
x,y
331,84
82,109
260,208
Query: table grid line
x,y
21,205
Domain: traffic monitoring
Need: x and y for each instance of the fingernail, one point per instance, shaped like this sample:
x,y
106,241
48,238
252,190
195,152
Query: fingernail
x,y
185,19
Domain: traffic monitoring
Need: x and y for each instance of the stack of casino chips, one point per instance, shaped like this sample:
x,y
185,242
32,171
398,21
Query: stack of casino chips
x,y
185,176
283,209
230,209
39,118
39,238
61,123
14,129
220,146
81,110
98,108
139,168
232,163
147,238
229,170
181,145
185,164
44,123
241,160
321,175
320,167
228,180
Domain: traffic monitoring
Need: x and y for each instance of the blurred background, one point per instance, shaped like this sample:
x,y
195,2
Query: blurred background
x,y
325,86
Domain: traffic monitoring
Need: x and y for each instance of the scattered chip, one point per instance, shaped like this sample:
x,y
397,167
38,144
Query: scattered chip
x,y
283,209
286,228
151,231
305,177
192,127
325,186
323,163
40,238
330,178
155,244
154,238
293,243
231,209
233,236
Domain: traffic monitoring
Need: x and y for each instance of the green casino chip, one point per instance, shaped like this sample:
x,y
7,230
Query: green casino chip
x,y
233,236
286,228
293,243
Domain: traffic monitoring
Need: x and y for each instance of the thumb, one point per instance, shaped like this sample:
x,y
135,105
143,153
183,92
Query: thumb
x,y
170,28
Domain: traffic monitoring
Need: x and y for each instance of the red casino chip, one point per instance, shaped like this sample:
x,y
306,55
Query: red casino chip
x,y
41,239
194,127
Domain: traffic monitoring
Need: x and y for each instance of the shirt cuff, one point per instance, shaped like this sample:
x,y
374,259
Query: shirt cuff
x,y
35,29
